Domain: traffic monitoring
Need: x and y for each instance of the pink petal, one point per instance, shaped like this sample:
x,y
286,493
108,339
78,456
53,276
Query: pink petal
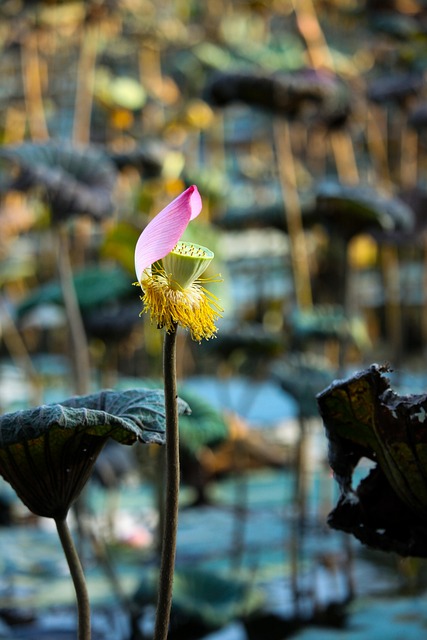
x,y
166,228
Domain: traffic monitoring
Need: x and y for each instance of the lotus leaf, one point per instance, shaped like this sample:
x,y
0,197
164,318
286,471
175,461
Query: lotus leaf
x,y
73,180
47,453
360,209
250,338
203,426
113,322
302,377
287,94
395,87
95,287
365,418
147,160
206,598
324,322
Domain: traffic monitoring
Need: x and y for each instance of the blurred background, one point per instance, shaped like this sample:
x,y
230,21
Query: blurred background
x,y
303,124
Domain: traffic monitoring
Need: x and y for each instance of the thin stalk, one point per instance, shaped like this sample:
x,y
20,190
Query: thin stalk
x,y
408,157
288,182
310,29
320,57
32,81
85,82
345,160
393,293
170,527
77,575
376,138
78,339
18,351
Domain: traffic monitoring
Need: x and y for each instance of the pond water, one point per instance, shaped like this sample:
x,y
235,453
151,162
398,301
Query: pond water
x,y
250,530
256,544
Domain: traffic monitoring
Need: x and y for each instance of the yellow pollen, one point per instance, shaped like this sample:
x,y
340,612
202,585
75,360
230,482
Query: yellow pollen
x,y
193,308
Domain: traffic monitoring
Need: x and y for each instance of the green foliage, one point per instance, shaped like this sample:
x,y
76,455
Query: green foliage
x,y
206,597
47,453
95,287
203,426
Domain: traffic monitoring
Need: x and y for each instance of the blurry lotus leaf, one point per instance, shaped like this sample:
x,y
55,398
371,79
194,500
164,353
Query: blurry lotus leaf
x,y
313,95
95,287
47,453
350,210
204,426
212,55
323,322
73,180
114,322
16,266
397,24
203,597
365,418
302,376
395,88
147,159
255,206
250,338
212,182
273,55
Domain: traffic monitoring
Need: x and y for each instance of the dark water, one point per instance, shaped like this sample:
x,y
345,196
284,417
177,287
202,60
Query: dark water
x,y
251,530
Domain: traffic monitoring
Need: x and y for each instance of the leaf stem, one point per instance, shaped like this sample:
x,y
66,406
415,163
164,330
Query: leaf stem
x,y
78,577
78,338
167,562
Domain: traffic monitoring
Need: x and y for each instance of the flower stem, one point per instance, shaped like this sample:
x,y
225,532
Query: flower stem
x,y
167,562
78,577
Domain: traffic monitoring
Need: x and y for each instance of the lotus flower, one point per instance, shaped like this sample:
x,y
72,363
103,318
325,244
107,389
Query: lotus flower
x,y
169,271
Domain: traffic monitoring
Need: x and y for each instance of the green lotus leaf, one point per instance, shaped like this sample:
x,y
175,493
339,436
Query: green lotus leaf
x,y
327,321
302,376
47,453
203,426
204,597
95,287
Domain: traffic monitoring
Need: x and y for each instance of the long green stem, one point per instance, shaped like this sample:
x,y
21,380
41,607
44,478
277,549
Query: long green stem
x,y
78,577
167,562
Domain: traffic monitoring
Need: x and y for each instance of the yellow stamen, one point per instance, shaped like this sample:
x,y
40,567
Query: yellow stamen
x,y
193,308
